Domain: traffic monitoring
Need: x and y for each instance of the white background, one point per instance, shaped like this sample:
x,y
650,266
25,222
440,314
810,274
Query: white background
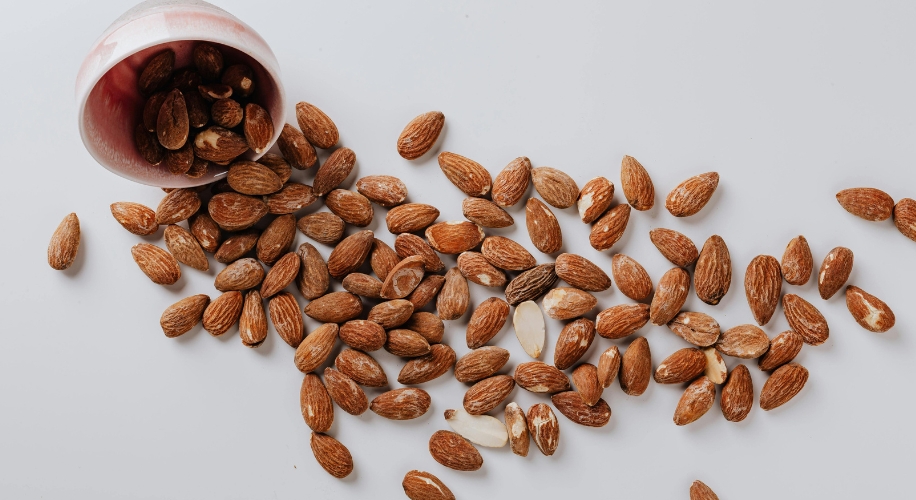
x,y
789,102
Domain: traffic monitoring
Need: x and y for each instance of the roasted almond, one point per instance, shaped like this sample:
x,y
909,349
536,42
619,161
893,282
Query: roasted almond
x,y
784,384
316,347
350,253
227,113
571,405
176,206
511,183
151,111
335,307
905,217
317,409
323,227
350,206
713,274
682,366
543,227
622,320
335,170
428,325
276,239
454,237
333,456
148,145
466,174
241,78
317,127
531,284
743,341
476,268
291,198
763,285
401,404
485,213
253,322
313,279
676,247
281,275
180,317
223,312
180,160
295,148
362,368
805,319
410,244
609,228
868,203
737,395
581,273
574,340
219,145
206,232
156,72
286,317
636,184
517,426
869,311
506,254
363,285
172,124
185,248
488,394
669,296
406,343
564,303
453,451
382,259
594,199
403,278
345,392
429,366
544,428
363,334
483,430
716,370
632,279
783,348
690,196
419,136
392,313
136,218
419,485
157,264
65,243
235,247
695,402
699,491
258,128
426,291
454,298
695,327
636,367
248,177
486,321
384,190
235,212
585,380
480,363
528,322
538,377
555,186
797,262
608,366
834,271
410,217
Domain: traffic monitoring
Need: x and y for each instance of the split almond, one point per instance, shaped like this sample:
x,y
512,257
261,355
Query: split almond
x,y
609,228
690,196
556,187
429,366
454,451
783,385
581,273
632,279
486,321
743,341
834,271
401,404
571,405
797,262
482,430
699,329
870,312
517,426
529,328
737,395
622,320
805,319
543,227
695,402
403,278
543,428
594,199
713,274
574,340
716,370
669,296
868,203
466,174
511,183
420,135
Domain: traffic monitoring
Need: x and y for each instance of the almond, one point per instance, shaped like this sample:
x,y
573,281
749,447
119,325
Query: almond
x,y
487,394
333,456
636,367
172,124
323,227
157,264
315,401
296,148
531,284
242,274
428,325
636,184
454,297
622,320
313,279
699,329
345,392
485,213
676,247
180,160
805,319
401,404
571,405
315,348
384,190
148,145
403,278
797,262
743,341
335,307
363,335
609,228
784,384
291,198
699,491
185,248
240,78
410,244
454,451
406,343
258,128
176,206
278,165
286,317
281,275
556,187
392,313
180,317
538,377
223,312
248,177
544,428
227,113
870,312
198,117
581,273
276,239
690,196
363,285
419,485
632,279
695,402
834,271
737,395
905,217
669,296
382,259
219,145
512,182
483,430
528,322
682,366
156,72
480,363
543,228
868,203
608,366
151,111
235,212
335,170
429,366
362,368
350,206
517,427
594,199
350,253
574,340
783,348
317,127
566,303
410,217
486,321
585,380
419,136
253,322
476,268
454,237
206,232
214,91
506,254
65,243
716,370
763,285
235,247
466,174
136,218
426,291
713,274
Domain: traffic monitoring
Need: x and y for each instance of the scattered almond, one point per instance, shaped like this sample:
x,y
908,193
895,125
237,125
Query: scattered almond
x,y
296,148
556,187
571,405
177,205
253,322
805,319
345,392
506,254
669,296
585,381
454,298
538,377
454,451
350,206
566,303
636,184
797,262
233,211
363,334
511,184
406,343
466,174
401,404
574,340
480,363
391,313
350,254
429,366
317,127
743,341
609,228
362,368
763,285
544,428
608,366
242,274
333,456
905,217
487,394
581,273
410,217
636,367
317,409
410,244
315,348
485,213
419,485
291,198
868,203
313,279
622,320
529,328
335,170
223,312
594,199
65,242
323,227
690,196
185,248
716,370
180,317
699,329
486,321
454,237
477,269
206,232
427,324
696,401
632,279
363,285
676,247
419,136
286,317
783,348
517,426
543,227
531,284
384,190
248,177
382,259
834,271
157,264
682,366
136,218
737,395
784,384
869,311
713,274
235,247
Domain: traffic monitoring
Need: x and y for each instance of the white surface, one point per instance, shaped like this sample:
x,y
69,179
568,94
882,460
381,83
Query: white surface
x,y
789,103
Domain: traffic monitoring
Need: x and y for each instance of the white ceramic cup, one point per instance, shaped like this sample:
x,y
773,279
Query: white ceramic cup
x,y
110,104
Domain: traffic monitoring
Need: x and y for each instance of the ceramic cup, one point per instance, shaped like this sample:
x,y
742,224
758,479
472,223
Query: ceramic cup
x,y
110,104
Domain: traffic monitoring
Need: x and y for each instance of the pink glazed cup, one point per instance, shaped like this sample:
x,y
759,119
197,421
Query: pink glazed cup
x,y
110,104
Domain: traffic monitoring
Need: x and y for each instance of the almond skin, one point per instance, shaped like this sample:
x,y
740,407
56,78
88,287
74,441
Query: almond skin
x,y
401,404
323,227
222,313
699,329
362,368
713,275
410,244
475,268
868,203
382,259
805,319
427,324
335,307
157,264
235,247
543,428
176,206
763,286
743,341
511,183
564,303
531,284
682,366
632,279
555,186
313,279
410,217
696,401
488,394
797,262
608,366
419,485
581,273
670,296
571,405
585,380
420,135
235,212
350,206
315,401
403,278
429,366
180,317
517,426
136,218
454,237
286,317
506,254
485,213
466,174
870,312
65,243
539,377
242,274
276,239
486,321
454,298
350,254
690,196
594,199
363,334
480,363
426,291
281,275
295,148
784,384
636,367
783,348
573,342
291,198
315,348
248,177
676,247
453,451
317,127
185,248
737,395
543,227
905,217
335,170
834,272
636,184
383,190
609,228
622,320
345,392
333,456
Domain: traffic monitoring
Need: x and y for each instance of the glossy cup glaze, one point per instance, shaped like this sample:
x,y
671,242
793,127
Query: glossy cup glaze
x,y
110,104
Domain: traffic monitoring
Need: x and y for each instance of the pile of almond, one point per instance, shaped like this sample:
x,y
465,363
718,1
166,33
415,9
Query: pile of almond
x,y
247,222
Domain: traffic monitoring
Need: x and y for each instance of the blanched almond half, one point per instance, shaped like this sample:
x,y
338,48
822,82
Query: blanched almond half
x,y
528,322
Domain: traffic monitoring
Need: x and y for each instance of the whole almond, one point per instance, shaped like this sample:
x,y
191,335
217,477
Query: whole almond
x,y
235,212
763,285
223,312
317,409
392,313
682,366
594,199
313,279
317,127
253,322
235,247
699,491
454,237
690,196
475,267
258,128
506,254
429,366
713,274
176,206
382,259
636,184
350,206
695,402
185,248
180,317
156,72
291,198
419,136
227,113
868,203
608,366
363,335
581,273
531,284
315,348
419,485
511,183
797,262
406,343
517,426
180,160
401,404
362,368
410,217
783,348
609,228
636,367
295,148
574,340
172,124
281,275
157,264
454,298
716,370
530,330
276,239
453,451
333,456
805,319
219,145
350,253
65,243
905,217
205,231
834,271
571,405
632,279
335,170
403,278
699,329
488,394
784,384
248,177
670,296
148,145
384,190
480,363
198,168
323,227
286,317
486,321
240,78
622,320
543,227
466,174
363,285
485,213
345,392
136,218
427,324
482,430
538,377
564,303
426,291
870,312
407,244
676,247
585,380
743,341
556,187
544,428
737,395
151,111
335,307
